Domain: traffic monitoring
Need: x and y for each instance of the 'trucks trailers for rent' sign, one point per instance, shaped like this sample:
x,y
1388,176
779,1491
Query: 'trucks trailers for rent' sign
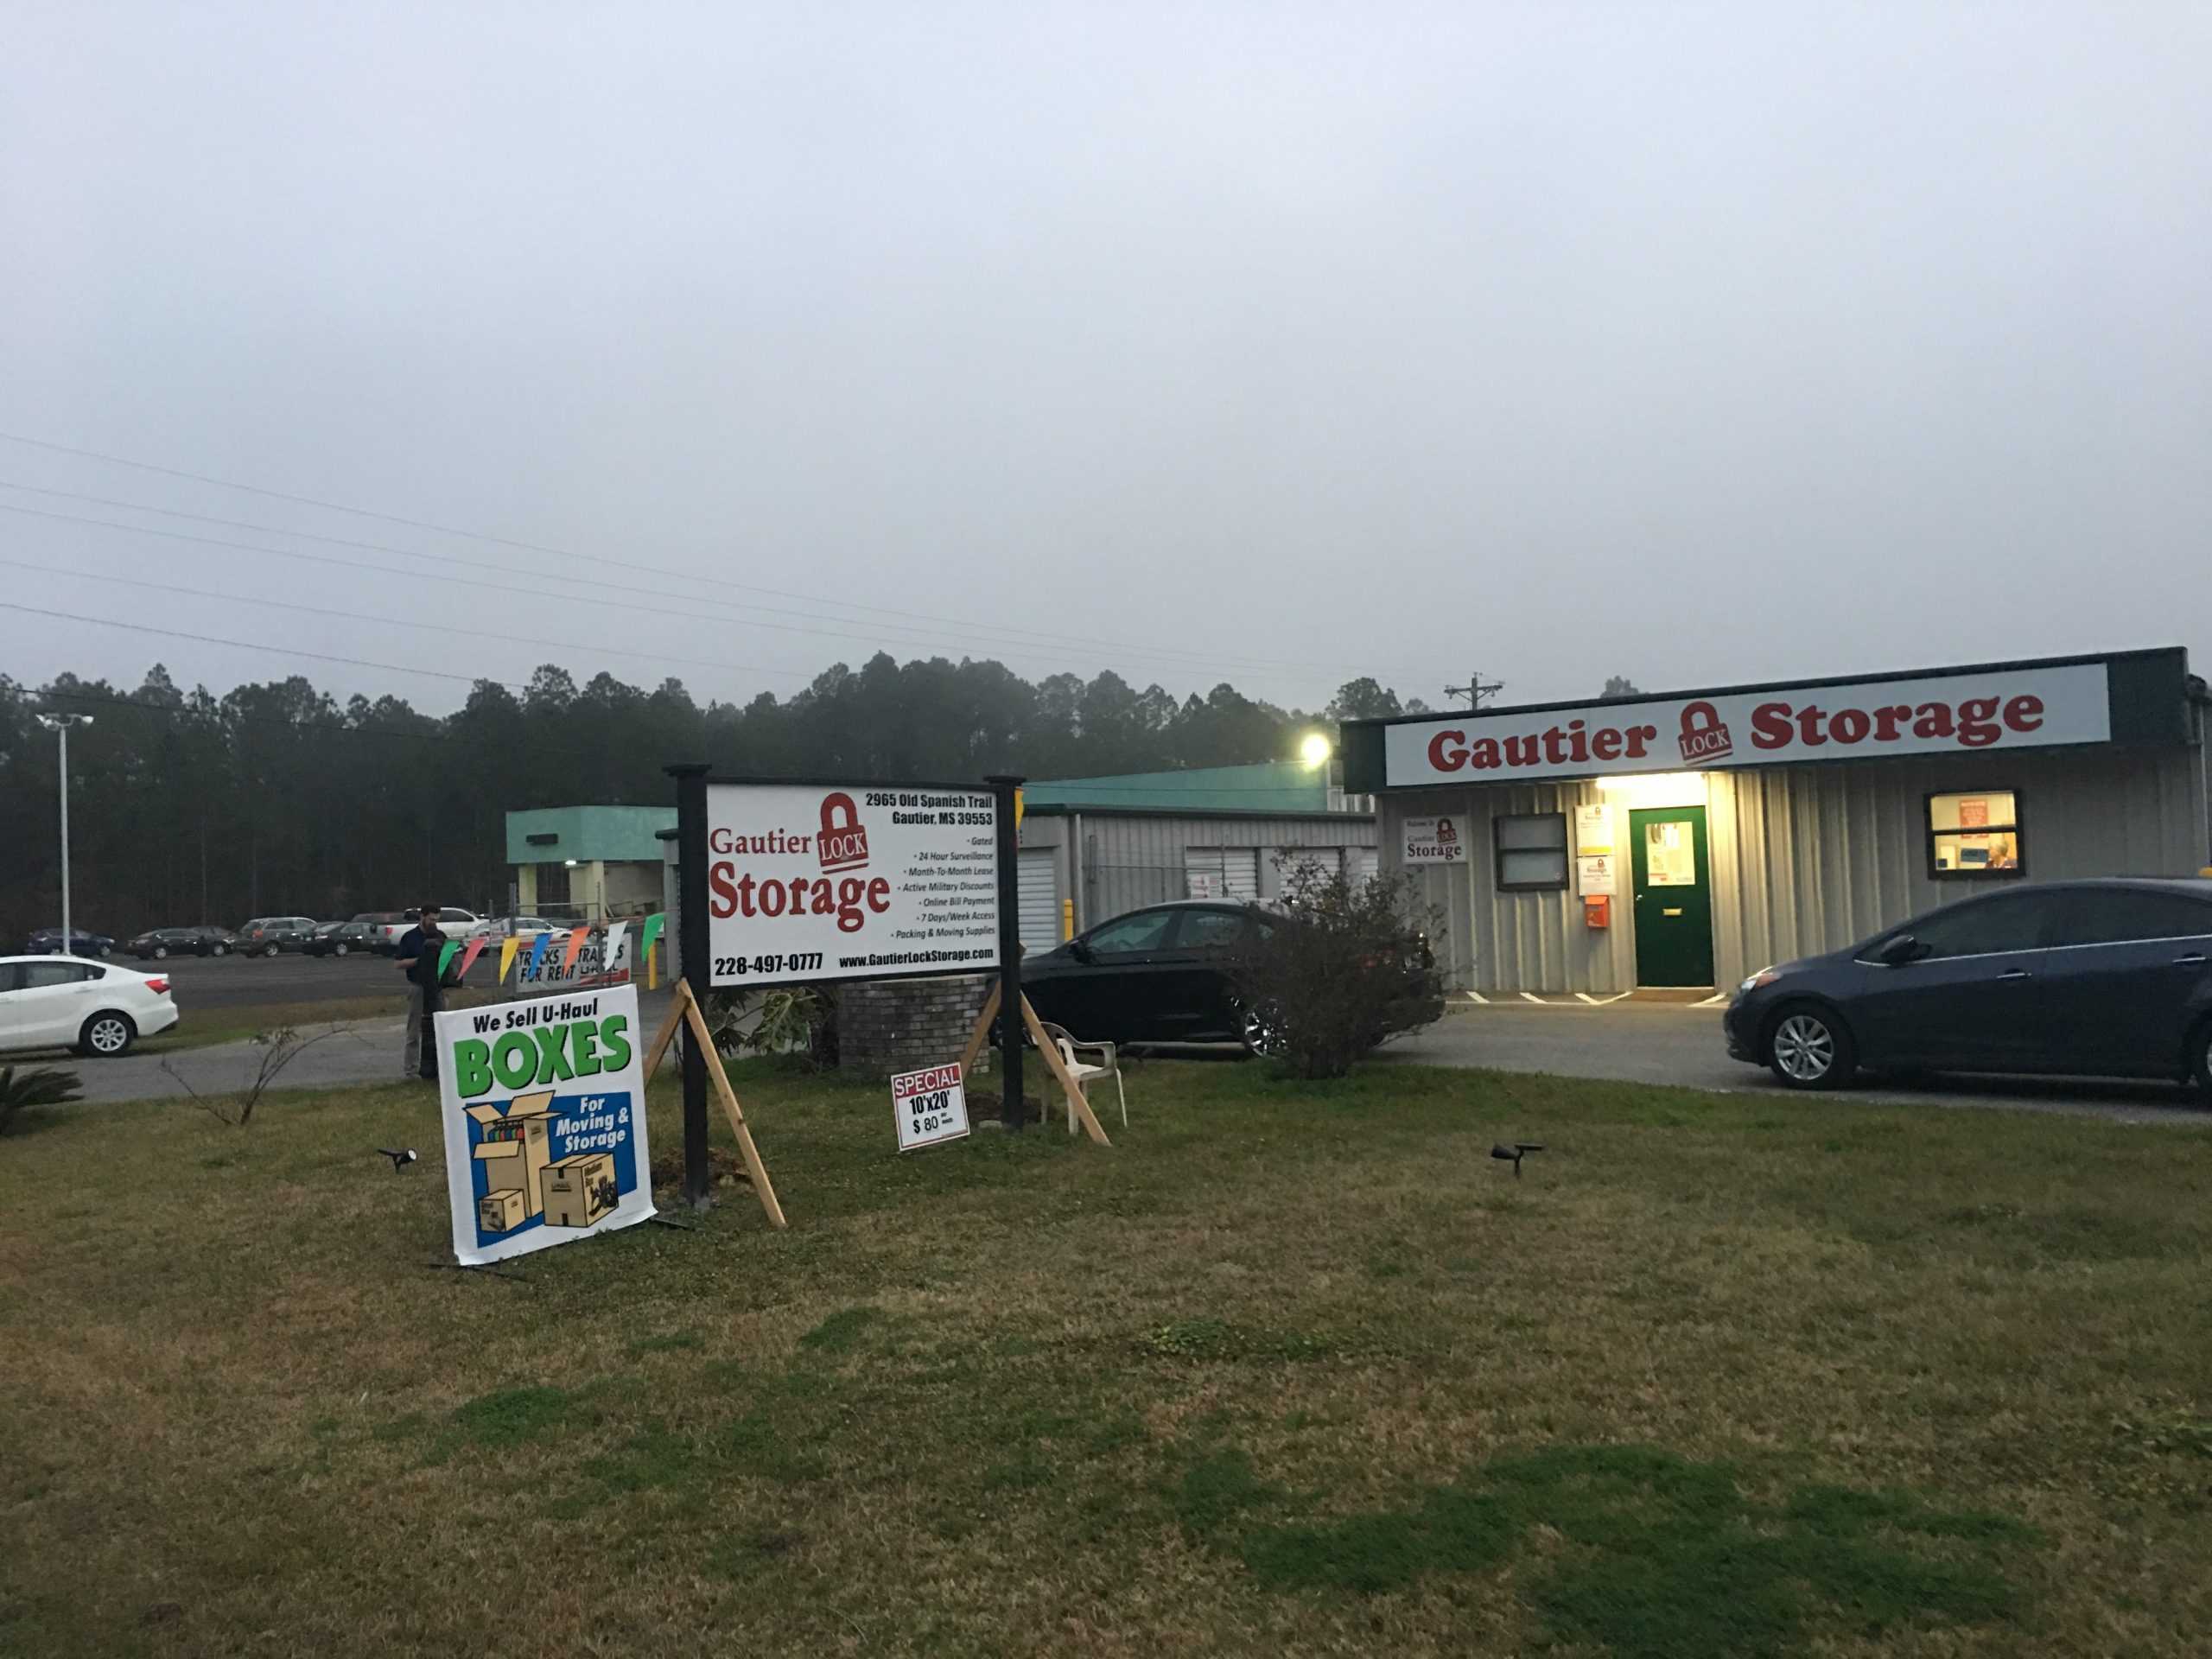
x,y
860,881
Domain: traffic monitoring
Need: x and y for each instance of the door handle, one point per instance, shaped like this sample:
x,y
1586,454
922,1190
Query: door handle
x,y
2015,972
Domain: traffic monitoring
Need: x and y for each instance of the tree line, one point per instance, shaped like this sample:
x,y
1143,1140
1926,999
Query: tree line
x,y
275,798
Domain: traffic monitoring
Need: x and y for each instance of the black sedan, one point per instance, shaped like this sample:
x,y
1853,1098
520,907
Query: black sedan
x,y
2110,978
158,945
1153,975
47,942
338,940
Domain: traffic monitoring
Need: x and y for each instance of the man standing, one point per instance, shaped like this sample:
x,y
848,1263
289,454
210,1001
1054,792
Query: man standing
x,y
420,947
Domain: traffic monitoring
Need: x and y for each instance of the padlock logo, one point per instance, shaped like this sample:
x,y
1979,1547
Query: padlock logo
x,y
1705,735
1445,832
843,842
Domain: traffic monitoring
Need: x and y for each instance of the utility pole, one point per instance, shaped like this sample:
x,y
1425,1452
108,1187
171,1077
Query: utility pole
x,y
60,724
1477,688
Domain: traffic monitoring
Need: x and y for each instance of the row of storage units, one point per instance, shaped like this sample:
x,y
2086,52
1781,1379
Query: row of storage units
x,y
1080,868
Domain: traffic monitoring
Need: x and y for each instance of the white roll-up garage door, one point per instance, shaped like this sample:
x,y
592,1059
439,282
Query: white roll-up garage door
x,y
1230,873
1039,900
1365,862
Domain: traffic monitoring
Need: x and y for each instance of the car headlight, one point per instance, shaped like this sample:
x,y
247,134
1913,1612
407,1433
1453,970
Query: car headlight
x,y
1764,976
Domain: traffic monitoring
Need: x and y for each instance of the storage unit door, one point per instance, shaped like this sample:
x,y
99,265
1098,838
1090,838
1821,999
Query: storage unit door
x,y
1366,862
1039,900
1239,874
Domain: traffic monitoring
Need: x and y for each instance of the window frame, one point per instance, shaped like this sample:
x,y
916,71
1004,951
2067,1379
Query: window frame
x,y
1498,849
2018,829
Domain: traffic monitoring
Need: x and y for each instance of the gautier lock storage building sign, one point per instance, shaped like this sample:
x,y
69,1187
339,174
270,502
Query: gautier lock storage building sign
x,y
1690,839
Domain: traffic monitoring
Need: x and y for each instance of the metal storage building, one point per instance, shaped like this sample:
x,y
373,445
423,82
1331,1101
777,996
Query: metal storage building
x,y
1092,848
1688,839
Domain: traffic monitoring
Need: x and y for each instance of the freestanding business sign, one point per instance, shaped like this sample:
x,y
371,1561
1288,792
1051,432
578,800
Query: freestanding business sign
x,y
544,1108
813,881
782,881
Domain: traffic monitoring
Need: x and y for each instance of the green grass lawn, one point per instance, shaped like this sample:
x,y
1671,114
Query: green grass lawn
x,y
1289,1370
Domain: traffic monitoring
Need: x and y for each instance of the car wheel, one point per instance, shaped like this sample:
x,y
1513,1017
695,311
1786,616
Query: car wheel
x,y
1808,1048
2200,1055
106,1036
340,949
269,950
219,950
1262,1032
160,953
106,950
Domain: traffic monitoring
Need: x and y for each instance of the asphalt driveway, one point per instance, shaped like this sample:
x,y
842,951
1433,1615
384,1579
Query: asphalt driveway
x,y
1682,1045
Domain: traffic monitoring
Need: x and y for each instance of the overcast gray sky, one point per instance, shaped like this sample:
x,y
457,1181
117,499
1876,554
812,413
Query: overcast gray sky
x,y
1287,342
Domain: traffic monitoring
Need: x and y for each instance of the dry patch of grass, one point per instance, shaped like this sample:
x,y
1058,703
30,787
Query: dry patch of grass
x,y
1289,1370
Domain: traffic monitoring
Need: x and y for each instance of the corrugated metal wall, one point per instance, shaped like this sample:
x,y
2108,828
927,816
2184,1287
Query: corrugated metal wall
x,y
1805,859
1129,860
1510,941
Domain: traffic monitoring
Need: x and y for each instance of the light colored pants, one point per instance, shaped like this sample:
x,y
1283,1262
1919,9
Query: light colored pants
x,y
410,1063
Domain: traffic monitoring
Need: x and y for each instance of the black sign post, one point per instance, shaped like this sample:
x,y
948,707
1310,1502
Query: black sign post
x,y
694,967
1009,856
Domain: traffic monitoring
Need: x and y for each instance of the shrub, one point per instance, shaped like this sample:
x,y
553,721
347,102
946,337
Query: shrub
x,y
1344,967
47,1086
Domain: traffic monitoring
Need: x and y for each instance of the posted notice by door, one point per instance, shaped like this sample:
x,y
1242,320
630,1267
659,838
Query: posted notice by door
x,y
823,882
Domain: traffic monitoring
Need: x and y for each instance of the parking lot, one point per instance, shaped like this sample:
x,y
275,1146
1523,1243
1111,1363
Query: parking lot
x,y
1673,1043
235,982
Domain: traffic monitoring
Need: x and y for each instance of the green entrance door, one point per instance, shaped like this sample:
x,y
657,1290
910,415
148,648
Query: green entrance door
x,y
1673,895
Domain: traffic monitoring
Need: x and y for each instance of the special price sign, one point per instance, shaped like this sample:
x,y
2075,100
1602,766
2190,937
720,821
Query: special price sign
x,y
930,1105
829,882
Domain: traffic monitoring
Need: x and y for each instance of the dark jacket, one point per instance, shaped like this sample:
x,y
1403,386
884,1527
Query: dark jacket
x,y
418,953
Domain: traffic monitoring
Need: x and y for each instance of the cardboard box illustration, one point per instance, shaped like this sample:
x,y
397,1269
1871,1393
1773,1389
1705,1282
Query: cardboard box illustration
x,y
579,1191
513,1150
497,1212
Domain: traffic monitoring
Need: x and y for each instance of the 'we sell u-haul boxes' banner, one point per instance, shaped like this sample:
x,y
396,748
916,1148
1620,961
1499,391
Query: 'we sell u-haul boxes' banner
x,y
545,1121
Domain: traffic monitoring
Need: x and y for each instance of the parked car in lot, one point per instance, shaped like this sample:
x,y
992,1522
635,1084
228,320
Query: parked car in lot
x,y
264,935
2109,978
454,924
337,939
97,1009
83,943
505,927
157,944
382,939
1161,975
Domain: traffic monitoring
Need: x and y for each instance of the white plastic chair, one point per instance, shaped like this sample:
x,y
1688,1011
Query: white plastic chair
x,y
1071,1049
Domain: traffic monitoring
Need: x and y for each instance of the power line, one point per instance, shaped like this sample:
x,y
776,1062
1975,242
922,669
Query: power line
x,y
179,711
596,560
476,635
507,589
250,645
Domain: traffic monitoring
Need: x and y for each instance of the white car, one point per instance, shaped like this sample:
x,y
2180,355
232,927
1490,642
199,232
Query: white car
x,y
453,923
95,1007
501,927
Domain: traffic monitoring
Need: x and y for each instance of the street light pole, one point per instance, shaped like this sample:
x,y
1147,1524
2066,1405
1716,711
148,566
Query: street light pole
x,y
59,725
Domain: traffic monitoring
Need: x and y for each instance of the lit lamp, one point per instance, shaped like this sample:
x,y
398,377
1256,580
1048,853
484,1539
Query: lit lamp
x,y
1314,751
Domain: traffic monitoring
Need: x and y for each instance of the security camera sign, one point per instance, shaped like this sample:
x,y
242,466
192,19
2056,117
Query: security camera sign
x,y
829,882
930,1105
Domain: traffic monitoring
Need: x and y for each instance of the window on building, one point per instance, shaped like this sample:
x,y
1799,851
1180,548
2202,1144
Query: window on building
x,y
552,884
1531,851
1974,835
